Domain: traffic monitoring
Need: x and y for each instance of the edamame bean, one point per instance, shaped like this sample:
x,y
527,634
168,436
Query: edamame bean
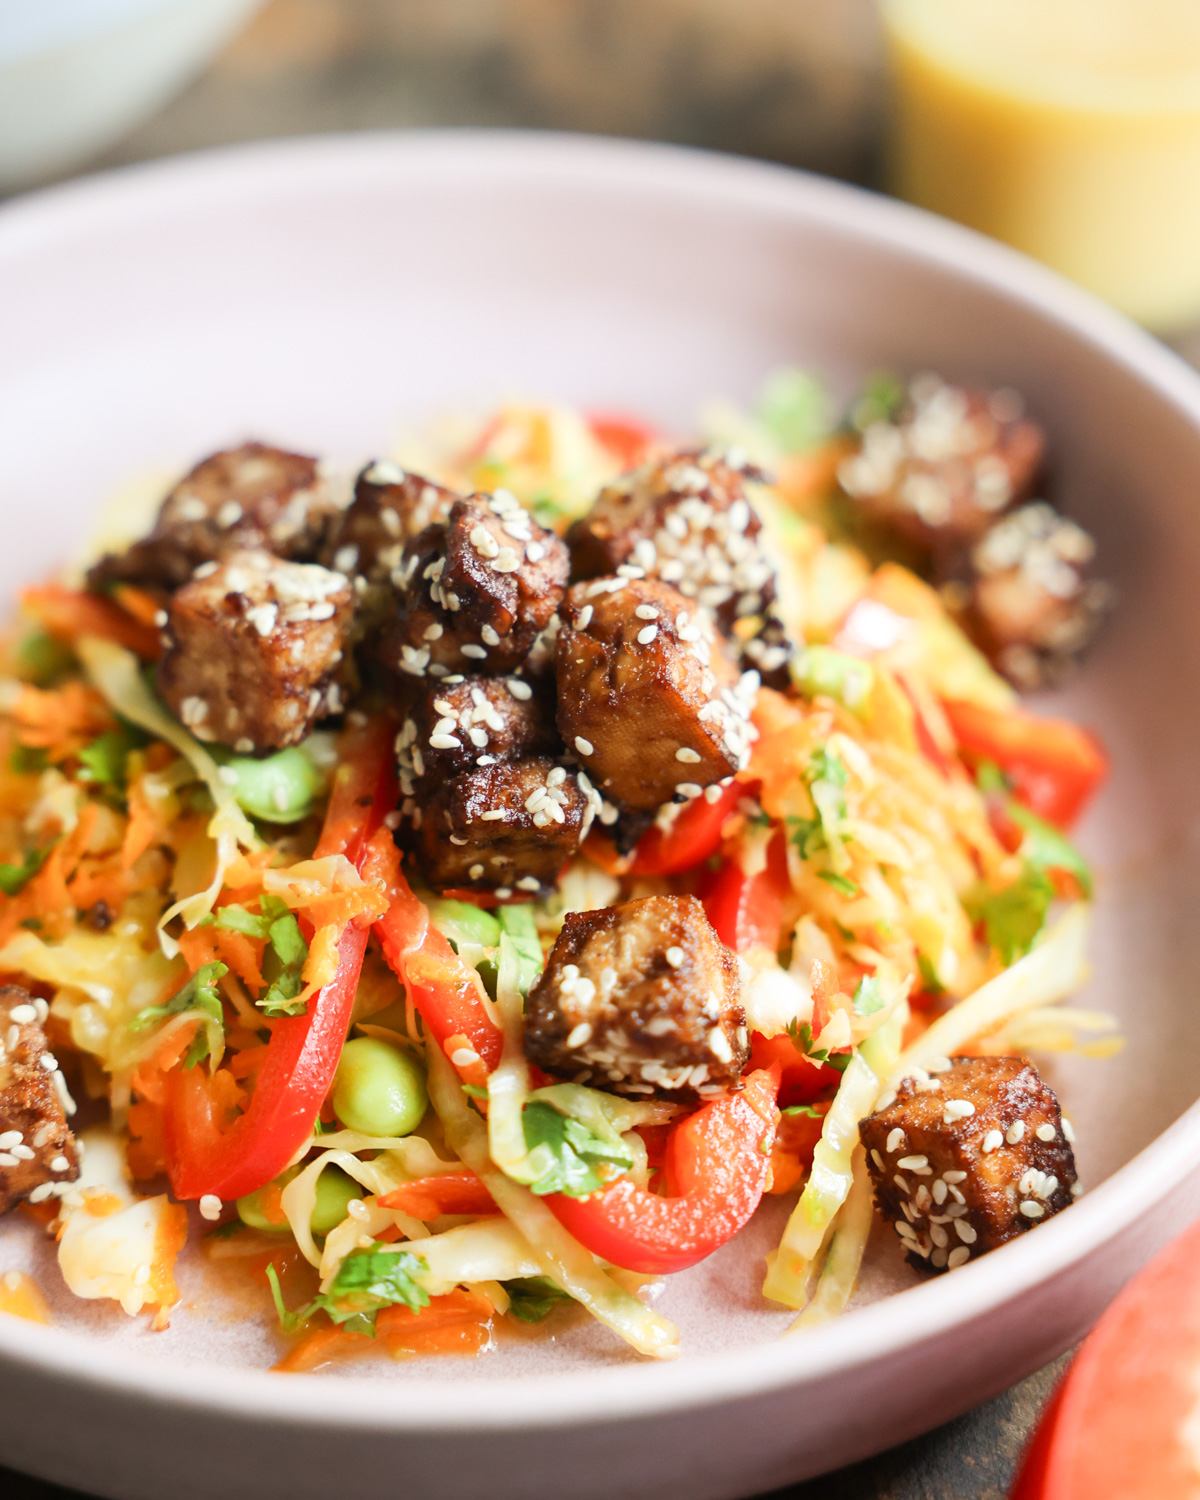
x,y
281,788
378,1089
335,1191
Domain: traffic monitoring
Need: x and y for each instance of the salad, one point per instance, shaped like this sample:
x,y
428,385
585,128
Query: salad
x,y
462,893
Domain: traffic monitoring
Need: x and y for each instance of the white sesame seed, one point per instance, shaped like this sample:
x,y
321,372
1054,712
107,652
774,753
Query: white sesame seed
x,y
529,883
10,1138
1016,1133
687,755
476,653
877,1159
585,747
210,1206
992,1141
958,1257
939,1192
434,632
901,1182
584,618
939,1065
954,1176
521,691
1068,1131
49,1062
1032,1210
464,1057
647,636
41,1192
905,1230
489,636
912,1163
535,552
579,1034
895,1141
957,1109
475,872
965,1232
445,742
1046,1132
674,956
22,1014
7,1159
939,1236
688,789
646,612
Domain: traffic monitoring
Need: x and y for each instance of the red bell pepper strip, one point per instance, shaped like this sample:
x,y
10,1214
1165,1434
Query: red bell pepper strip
x,y
694,836
801,1079
443,987
627,439
1054,766
451,1193
716,1164
202,1155
746,911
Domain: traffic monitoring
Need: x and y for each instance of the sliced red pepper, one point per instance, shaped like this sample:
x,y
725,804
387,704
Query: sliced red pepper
x,y
716,1162
801,1080
746,911
1054,766
627,439
693,837
451,1193
203,1155
444,988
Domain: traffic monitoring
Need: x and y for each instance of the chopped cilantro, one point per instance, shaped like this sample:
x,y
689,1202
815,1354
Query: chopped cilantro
x,y
367,1280
882,398
841,883
868,997
474,1090
199,994
14,878
825,777
1013,917
519,929
801,1034
796,409
1045,848
286,954
803,1109
567,1152
532,1298
28,760
42,660
929,976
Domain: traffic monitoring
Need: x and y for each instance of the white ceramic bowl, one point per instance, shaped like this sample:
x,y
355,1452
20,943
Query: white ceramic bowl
x,y
75,75
326,293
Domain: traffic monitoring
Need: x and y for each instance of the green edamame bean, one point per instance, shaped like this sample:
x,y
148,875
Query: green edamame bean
x,y
378,1089
281,788
463,923
335,1191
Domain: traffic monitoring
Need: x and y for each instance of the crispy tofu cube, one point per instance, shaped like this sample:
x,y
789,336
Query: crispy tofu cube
x,y
641,999
37,1149
968,1156
252,648
390,507
508,827
948,464
249,497
1031,604
647,695
464,722
479,589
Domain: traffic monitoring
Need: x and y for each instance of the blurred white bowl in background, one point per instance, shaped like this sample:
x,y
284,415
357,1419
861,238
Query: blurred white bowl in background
x,y
75,75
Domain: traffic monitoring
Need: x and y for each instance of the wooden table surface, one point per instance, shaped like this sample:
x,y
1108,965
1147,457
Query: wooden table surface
x,y
792,80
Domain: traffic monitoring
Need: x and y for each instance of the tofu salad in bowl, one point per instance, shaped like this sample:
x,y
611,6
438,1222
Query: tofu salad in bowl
x,y
478,886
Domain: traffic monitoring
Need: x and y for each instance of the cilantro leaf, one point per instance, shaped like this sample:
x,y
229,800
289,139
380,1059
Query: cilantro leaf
x,y
567,1152
841,883
929,976
796,409
199,994
1045,848
803,1109
801,1034
103,762
882,398
868,997
14,878
1013,917
366,1281
286,954
532,1298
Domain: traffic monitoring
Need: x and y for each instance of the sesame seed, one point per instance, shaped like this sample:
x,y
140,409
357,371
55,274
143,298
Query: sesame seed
x,y
476,653
10,1138
529,883
895,1141
939,1192
445,742
646,612
674,956
521,691
906,1231
475,872
49,1062
494,815
41,1192
210,1206
954,1176
1032,1210
939,1236
992,1141
464,1057
877,1159
687,755
579,1034
1068,1131
504,892
22,1014
939,1065
965,1232
1016,1133
688,789
584,618
489,636
585,747
1046,1132
647,636
161,617
434,632
957,1257
141,1276
535,552
957,1109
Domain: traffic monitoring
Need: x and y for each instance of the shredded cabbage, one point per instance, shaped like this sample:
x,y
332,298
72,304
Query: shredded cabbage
x,y
558,1254
116,674
847,1243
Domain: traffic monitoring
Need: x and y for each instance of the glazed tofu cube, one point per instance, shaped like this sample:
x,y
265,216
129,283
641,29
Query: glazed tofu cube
x,y
508,827
472,721
941,471
37,1149
252,648
249,497
479,589
967,1157
1031,604
390,507
647,695
685,518
641,999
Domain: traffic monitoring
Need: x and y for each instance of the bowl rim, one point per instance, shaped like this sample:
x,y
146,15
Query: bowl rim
x,y
622,1389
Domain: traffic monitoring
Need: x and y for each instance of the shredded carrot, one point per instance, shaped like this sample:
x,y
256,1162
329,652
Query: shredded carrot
x,y
69,614
148,1077
319,1346
21,1297
270,1202
457,1323
99,880
47,897
242,954
161,1290
142,606
145,1151
60,720
247,1060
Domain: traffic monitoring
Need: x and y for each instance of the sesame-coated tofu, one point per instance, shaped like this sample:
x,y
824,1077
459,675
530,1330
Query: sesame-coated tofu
x,y
248,497
463,722
37,1149
968,1155
950,461
1030,602
390,507
508,827
252,649
477,591
640,999
647,695
687,519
